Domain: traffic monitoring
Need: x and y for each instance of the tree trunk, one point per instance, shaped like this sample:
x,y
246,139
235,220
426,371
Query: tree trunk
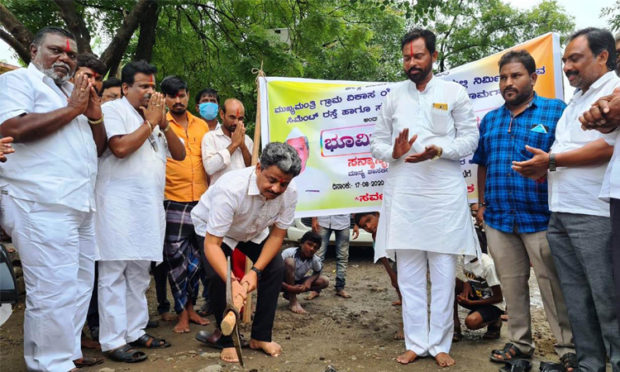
x,y
148,24
114,52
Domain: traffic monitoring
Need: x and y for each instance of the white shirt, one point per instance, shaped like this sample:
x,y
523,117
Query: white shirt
x,y
130,220
335,222
576,189
216,158
235,210
425,204
60,168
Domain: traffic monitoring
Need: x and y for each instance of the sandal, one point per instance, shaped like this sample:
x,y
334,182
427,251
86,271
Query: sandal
x,y
150,342
517,365
569,360
551,367
508,353
126,354
214,339
87,362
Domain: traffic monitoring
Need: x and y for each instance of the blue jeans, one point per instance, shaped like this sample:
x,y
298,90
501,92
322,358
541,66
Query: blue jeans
x,y
581,249
342,252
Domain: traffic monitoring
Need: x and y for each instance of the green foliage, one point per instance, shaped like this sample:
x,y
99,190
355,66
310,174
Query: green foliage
x,y
612,13
221,43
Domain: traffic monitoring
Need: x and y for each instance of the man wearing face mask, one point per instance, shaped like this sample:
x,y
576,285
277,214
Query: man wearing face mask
x,y
130,219
186,181
207,105
227,147
47,195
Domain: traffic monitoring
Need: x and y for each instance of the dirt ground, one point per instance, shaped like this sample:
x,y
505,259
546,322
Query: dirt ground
x,y
353,334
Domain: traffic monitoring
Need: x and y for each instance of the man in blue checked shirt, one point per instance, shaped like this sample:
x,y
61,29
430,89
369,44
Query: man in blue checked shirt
x,y
515,208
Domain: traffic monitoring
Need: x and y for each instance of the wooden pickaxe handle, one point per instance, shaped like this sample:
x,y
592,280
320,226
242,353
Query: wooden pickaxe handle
x,y
228,323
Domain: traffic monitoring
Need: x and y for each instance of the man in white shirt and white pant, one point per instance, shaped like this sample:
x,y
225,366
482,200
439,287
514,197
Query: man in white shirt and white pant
x,y
47,198
425,218
580,229
236,213
130,220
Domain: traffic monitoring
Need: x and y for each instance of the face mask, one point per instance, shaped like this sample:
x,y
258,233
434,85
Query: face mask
x,y
208,110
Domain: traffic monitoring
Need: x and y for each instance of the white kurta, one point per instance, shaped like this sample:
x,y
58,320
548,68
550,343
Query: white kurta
x,y
130,218
425,204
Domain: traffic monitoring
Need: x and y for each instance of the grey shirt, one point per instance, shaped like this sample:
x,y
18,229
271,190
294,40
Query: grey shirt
x,y
302,265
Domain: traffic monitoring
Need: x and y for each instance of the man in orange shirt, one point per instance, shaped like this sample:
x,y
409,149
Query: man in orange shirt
x,y
186,181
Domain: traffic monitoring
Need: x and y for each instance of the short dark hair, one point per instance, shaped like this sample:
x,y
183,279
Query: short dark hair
x,y
40,35
110,83
357,217
598,41
416,33
311,236
207,92
91,61
132,68
520,56
171,85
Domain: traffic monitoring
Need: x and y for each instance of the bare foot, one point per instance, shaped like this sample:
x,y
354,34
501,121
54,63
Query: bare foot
x,y
195,318
406,357
397,303
270,348
343,294
399,335
168,317
312,295
229,354
295,307
183,324
444,360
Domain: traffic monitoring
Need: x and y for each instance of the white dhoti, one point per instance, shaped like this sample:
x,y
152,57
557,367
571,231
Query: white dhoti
x,y
57,249
123,310
421,336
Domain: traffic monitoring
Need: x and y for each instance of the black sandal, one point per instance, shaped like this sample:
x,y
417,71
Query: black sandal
x,y
126,354
569,360
150,342
508,353
517,365
551,367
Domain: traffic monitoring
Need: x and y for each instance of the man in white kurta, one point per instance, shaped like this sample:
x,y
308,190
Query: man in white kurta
x,y
47,195
425,216
130,221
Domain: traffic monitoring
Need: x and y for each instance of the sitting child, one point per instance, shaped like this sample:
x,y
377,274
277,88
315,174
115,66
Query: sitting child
x,y
297,262
479,294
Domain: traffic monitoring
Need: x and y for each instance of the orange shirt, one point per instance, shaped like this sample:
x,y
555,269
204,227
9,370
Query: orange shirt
x,y
187,180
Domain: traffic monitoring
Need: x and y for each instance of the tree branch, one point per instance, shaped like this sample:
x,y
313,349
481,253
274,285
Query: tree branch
x,y
22,52
75,24
20,38
114,52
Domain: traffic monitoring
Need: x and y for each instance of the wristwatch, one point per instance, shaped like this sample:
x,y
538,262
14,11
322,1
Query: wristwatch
x,y
258,272
551,162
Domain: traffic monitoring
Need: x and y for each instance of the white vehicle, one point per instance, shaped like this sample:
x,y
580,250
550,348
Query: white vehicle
x,y
302,225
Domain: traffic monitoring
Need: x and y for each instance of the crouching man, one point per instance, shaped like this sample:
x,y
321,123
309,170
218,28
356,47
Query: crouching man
x,y
297,262
236,213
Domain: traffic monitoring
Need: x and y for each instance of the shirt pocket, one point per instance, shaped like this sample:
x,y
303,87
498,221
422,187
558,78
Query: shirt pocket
x,y
440,121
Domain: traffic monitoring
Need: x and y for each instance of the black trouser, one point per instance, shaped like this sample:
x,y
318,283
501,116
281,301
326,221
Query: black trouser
x,y
92,316
267,295
615,247
160,275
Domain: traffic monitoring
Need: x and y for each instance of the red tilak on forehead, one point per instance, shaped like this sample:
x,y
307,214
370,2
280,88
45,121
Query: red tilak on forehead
x,y
151,78
281,180
237,112
68,48
411,48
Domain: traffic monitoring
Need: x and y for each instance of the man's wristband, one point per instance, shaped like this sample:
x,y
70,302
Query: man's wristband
x,y
438,154
483,204
96,122
552,164
258,272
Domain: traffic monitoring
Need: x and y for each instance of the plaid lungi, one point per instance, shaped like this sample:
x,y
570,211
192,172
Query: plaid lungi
x,y
181,252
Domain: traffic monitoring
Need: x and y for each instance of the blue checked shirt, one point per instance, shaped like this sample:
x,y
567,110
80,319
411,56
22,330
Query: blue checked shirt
x,y
516,203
